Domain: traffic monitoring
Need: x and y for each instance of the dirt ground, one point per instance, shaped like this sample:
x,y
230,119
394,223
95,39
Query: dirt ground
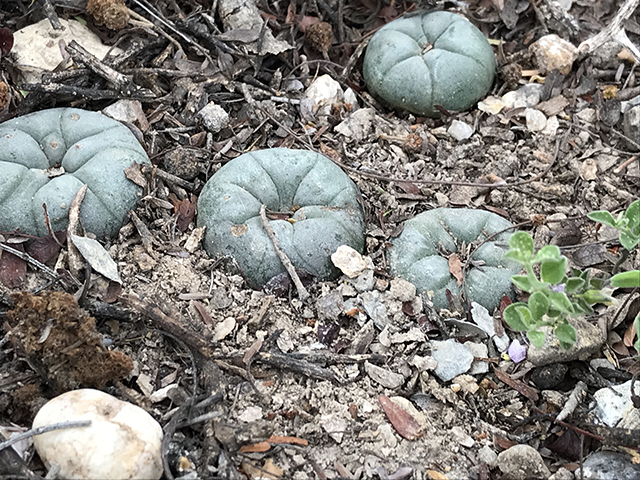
x,y
267,363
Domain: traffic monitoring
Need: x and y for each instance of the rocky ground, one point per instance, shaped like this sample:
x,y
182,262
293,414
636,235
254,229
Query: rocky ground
x,y
340,374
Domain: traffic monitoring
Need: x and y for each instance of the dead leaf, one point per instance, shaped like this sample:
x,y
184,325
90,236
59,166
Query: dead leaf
x,y
251,351
13,270
503,443
134,173
203,313
291,440
268,470
455,268
403,422
44,249
630,335
256,447
97,256
517,385
435,475
408,187
186,211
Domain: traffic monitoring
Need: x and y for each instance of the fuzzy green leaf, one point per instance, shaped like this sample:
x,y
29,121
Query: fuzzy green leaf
x,y
628,241
522,282
573,284
633,214
603,217
560,302
536,337
538,305
566,335
517,316
628,279
520,247
553,271
549,253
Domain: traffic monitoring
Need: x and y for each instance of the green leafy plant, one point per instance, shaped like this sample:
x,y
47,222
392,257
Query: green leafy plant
x,y
627,223
554,296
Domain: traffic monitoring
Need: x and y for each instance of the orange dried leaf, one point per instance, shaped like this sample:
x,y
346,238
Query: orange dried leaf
x,y
292,440
404,423
455,268
255,448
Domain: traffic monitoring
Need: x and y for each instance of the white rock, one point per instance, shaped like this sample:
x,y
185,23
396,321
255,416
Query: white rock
x,y
335,426
37,49
122,442
536,120
492,105
251,414
129,111
403,290
358,125
522,462
482,318
213,117
224,328
616,409
526,96
551,127
349,261
552,52
324,92
460,130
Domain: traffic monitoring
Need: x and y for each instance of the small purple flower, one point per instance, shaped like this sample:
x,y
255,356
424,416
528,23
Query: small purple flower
x,y
557,288
517,352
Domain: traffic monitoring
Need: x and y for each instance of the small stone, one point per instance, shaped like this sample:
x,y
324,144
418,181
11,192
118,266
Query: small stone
x,y
349,261
330,306
364,282
123,441
467,383
631,124
492,105
482,318
536,121
403,290
616,409
323,92
453,359
462,437
143,259
220,300
423,364
488,456
384,377
554,398
562,474
251,414
552,52
587,115
375,308
480,350
223,329
358,125
460,130
589,169
213,117
527,96
522,462
606,465
335,426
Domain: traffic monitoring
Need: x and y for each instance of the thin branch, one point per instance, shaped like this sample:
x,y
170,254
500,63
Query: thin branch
x,y
40,430
610,31
302,291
